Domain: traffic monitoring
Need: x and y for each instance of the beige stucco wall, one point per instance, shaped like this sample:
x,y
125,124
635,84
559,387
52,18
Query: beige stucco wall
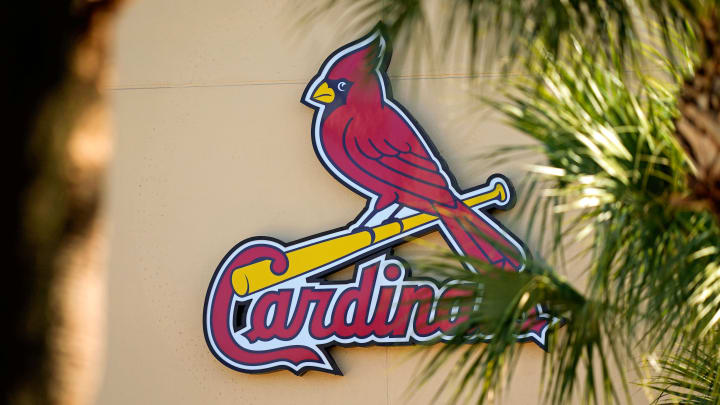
x,y
213,146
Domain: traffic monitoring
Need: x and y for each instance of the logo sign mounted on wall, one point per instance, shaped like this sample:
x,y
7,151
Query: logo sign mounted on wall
x,y
268,306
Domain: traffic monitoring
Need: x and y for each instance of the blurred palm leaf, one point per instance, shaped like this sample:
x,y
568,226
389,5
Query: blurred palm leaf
x,y
613,177
611,26
690,376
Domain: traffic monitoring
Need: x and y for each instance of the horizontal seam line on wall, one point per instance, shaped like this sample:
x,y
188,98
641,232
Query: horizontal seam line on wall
x,y
301,82
292,82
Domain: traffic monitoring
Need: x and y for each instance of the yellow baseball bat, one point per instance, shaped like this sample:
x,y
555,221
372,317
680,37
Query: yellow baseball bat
x,y
258,275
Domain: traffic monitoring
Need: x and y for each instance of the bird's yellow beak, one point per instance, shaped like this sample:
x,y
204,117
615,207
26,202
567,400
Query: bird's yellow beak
x,y
324,94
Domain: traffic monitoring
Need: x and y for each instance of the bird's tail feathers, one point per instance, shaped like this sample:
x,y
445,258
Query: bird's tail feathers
x,y
476,237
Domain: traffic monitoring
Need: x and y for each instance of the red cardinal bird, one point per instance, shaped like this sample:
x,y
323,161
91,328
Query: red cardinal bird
x,y
372,145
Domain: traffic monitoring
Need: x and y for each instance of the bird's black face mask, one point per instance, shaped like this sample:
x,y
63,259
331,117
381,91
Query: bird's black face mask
x,y
332,93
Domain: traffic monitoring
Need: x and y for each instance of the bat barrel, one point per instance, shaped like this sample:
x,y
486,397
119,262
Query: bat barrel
x,y
341,247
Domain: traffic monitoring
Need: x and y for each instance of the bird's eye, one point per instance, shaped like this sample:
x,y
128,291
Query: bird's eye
x,y
342,86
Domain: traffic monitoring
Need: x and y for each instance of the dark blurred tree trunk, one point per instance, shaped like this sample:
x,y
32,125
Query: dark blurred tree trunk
x,y
698,126
54,76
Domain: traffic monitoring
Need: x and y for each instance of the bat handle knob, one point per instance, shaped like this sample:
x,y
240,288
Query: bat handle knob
x,y
255,253
502,192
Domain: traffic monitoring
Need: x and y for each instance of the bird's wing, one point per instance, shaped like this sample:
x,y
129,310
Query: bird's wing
x,y
397,162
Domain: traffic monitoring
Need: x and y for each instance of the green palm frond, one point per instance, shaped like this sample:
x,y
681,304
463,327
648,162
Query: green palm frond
x,y
689,376
608,27
614,170
500,303
612,178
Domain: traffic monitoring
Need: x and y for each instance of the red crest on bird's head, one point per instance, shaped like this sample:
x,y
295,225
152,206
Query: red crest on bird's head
x,y
355,65
360,62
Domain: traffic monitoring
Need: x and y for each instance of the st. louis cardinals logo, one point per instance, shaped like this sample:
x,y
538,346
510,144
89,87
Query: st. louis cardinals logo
x,y
268,306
